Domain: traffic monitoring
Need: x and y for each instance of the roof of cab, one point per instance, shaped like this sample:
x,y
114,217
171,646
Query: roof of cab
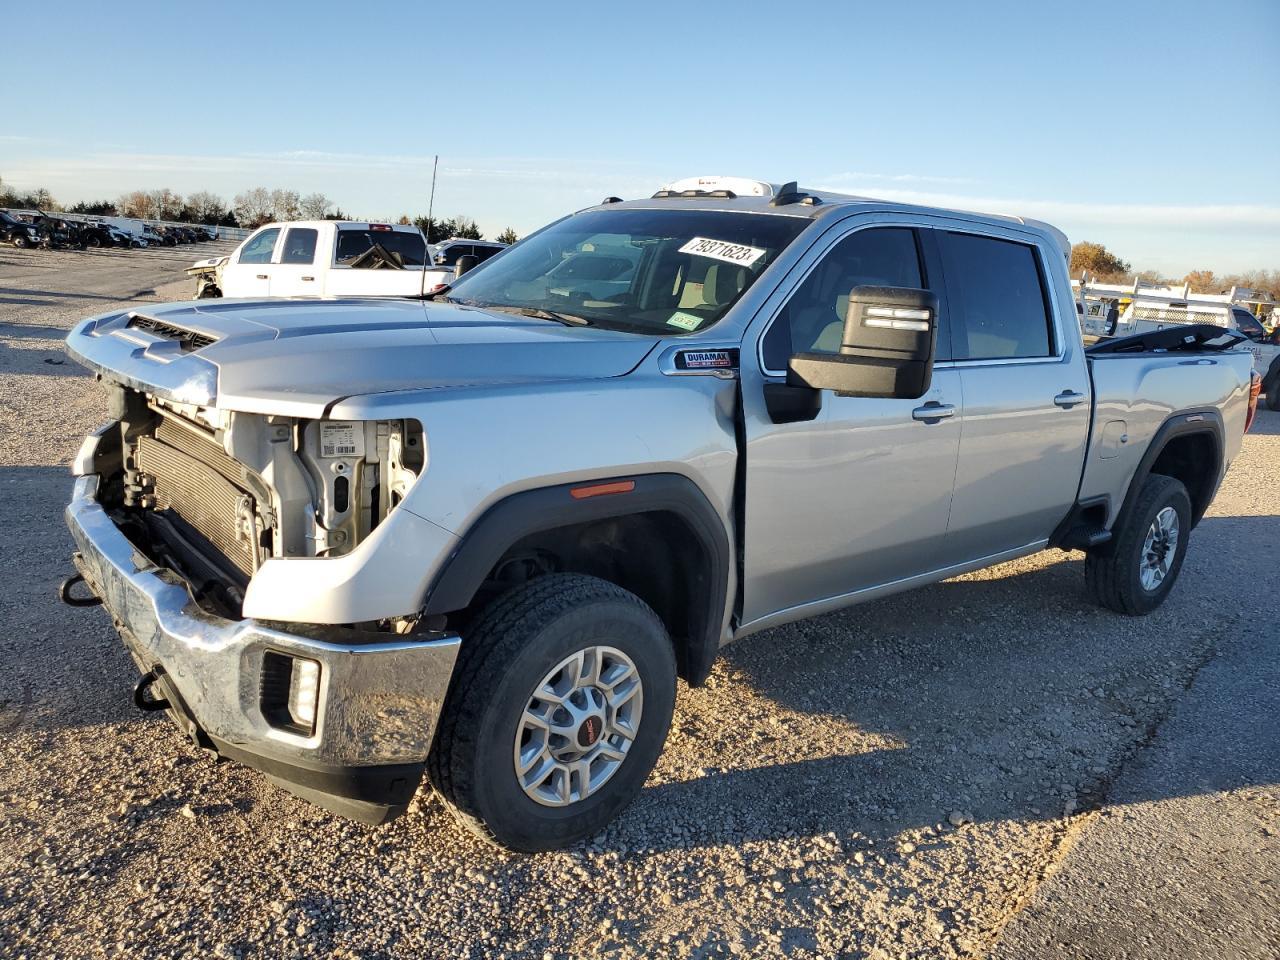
x,y
743,193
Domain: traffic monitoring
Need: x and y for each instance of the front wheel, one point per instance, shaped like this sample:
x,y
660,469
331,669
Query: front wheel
x,y
558,709
1135,571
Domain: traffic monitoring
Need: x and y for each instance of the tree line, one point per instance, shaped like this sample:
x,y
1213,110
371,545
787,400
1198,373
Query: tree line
x,y
1106,267
250,209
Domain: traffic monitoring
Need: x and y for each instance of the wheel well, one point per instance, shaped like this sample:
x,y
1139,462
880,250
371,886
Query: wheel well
x,y
1193,459
655,555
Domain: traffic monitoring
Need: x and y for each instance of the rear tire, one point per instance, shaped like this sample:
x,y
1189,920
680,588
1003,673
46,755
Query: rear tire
x,y
511,654
1273,394
1136,569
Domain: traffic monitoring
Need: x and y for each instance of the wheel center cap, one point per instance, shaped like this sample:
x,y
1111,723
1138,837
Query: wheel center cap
x,y
589,731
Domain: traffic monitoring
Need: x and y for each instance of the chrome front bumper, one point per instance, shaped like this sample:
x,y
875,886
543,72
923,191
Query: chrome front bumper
x,y
378,702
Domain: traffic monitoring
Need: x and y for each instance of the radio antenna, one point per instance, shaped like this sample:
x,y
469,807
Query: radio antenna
x,y
431,204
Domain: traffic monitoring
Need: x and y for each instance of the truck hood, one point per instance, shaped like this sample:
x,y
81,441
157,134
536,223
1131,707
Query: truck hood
x,y
297,358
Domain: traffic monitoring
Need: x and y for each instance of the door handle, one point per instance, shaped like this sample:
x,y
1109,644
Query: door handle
x,y
933,411
1068,399
308,278
262,276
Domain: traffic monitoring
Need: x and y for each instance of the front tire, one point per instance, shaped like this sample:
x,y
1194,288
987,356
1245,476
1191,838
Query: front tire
x,y
558,709
1134,572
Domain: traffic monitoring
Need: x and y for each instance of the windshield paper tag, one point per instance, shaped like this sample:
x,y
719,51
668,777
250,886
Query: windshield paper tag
x,y
685,321
723,250
341,440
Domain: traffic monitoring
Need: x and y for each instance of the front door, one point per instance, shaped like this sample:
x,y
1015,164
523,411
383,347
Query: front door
x,y
248,272
858,496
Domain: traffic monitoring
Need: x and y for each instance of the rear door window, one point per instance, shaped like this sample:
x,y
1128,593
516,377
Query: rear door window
x,y
998,291
299,245
259,247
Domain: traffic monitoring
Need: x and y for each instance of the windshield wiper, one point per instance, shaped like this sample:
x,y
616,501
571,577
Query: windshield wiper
x,y
568,319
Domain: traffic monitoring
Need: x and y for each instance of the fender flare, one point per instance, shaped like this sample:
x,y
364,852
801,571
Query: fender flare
x,y
1185,423
548,508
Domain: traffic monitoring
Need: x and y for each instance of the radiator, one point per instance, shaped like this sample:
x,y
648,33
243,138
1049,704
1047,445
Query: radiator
x,y
193,477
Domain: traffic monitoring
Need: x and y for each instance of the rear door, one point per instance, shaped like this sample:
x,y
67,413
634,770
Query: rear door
x,y
295,274
1026,395
248,272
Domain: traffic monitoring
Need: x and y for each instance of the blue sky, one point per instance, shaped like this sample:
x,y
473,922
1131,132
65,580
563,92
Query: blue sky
x,y
1151,127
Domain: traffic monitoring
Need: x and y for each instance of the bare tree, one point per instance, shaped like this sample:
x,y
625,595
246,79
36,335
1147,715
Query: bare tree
x,y
1201,281
286,205
253,208
315,206
136,204
206,207
165,204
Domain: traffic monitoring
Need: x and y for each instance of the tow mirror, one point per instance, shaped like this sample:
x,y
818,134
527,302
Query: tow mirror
x,y
886,351
464,264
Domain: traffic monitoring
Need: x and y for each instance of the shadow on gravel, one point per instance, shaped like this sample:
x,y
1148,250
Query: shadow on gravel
x,y
14,295
50,361
999,699
32,331
64,667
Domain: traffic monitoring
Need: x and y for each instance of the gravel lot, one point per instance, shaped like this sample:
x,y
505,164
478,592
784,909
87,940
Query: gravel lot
x,y
898,780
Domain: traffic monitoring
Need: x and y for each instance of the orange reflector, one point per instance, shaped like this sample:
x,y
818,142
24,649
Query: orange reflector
x,y
602,489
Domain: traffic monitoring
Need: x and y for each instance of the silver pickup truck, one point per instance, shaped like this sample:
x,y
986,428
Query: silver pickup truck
x,y
481,535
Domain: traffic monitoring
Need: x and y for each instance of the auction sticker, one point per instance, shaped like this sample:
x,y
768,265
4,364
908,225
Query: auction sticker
x,y
341,439
743,256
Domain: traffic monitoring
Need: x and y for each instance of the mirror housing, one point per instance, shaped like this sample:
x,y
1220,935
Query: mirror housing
x,y
887,349
468,262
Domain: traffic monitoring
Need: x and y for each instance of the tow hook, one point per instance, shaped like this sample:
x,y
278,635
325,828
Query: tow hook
x,y
144,698
65,595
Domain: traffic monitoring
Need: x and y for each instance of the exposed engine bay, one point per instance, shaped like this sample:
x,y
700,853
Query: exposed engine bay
x,y
214,494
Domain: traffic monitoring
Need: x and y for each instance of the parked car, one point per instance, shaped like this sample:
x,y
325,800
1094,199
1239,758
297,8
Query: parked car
x,y
323,258
95,235
123,238
451,251
481,536
20,233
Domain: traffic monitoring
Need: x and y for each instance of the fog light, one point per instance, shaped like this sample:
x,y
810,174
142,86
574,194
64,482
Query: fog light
x,y
304,693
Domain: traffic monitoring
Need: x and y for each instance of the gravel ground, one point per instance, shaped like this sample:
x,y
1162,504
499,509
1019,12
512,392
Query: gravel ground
x,y
892,781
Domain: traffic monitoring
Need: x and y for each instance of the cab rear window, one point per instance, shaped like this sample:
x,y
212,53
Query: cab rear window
x,y
401,247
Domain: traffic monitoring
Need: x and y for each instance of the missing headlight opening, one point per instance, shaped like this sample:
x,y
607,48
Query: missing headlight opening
x,y
216,494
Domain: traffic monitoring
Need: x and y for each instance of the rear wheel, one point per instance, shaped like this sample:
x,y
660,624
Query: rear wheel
x,y
1135,571
559,706
1273,393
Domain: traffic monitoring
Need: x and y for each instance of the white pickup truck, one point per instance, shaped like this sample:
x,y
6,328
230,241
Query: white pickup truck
x,y
323,258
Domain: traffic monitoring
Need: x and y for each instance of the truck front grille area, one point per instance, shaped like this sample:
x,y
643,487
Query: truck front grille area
x,y
191,476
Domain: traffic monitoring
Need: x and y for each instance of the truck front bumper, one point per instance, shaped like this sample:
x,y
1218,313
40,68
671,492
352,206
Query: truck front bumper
x,y
376,702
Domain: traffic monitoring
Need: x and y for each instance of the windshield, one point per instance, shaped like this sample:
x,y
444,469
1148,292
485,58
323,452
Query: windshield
x,y
407,248
661,272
